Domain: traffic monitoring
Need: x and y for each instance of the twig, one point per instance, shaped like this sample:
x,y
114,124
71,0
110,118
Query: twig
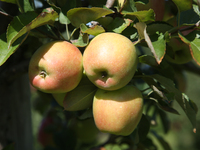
x,y
6,15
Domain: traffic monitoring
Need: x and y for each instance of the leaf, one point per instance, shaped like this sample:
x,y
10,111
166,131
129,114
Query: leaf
x,y
25,5
83,99
154,47
159,43
193,40
82,41
127,6
183,5
77,16
179,97
142,16
148,59
160,27
9,1
93,30
189,17
28,21
165,120
143,128
63,18
164,144
118,25
5,53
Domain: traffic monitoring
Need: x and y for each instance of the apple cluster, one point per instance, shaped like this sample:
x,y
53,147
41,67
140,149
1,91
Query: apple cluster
x,y
99,78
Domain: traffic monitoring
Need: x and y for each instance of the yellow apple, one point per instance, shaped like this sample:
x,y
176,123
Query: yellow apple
x,y
118,112
110,60
56,67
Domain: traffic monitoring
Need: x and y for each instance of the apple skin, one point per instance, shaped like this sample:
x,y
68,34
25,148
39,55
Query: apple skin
x,y
118,112
110,61
71,101
56,67
85,130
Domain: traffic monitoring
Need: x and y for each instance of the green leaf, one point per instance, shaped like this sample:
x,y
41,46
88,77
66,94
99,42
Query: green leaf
x,y
154,47
77,16
162,141
158,42
142,16
183,5
63,18
128,6
26,5
82,41
143,128
9,1
196,9
119,24
148,59
193,40
28,21
161,27
93,30
80,101
4,51
179,97
189,17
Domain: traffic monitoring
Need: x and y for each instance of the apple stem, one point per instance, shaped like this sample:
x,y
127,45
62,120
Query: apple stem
x,y
43,74
103,74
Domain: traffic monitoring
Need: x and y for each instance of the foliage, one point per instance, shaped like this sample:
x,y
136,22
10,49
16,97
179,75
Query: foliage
x,y
78,21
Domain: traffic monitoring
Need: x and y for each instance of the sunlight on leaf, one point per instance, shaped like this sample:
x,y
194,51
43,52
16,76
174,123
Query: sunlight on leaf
x,y
28,21
157,47
142,16
183,5
5,53
77,16
93,30
193,40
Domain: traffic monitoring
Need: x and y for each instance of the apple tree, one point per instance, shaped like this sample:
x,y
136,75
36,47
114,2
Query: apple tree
x,y
166,36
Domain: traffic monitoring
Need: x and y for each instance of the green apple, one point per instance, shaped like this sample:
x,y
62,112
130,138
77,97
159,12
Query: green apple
x,y
79,98
56,67
86,130
110,61
118,112
177,52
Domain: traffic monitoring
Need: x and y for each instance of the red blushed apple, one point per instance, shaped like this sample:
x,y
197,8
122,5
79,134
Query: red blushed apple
x,y
56,67
110,61
118,112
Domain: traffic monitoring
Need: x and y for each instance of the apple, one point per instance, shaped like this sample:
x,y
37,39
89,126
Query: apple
x,y
56,67
85,130
110,61
177,52
157,5
45,134
118,112
79,98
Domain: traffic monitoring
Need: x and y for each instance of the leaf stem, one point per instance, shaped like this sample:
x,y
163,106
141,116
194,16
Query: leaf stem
x,y
72,33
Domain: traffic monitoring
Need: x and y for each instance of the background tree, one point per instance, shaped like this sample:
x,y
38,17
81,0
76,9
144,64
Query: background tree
x,y
166,35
